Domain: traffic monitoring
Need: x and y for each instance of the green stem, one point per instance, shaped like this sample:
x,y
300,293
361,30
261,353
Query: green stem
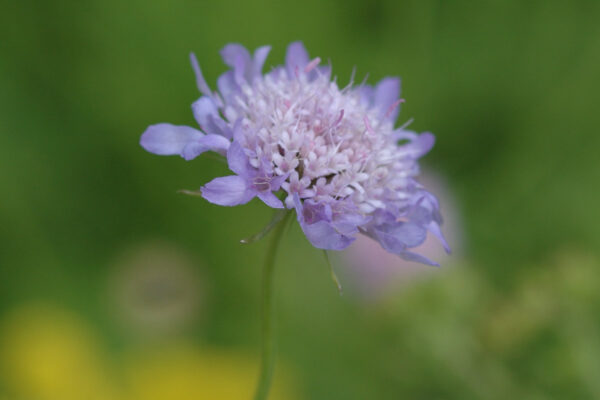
x,y
268,311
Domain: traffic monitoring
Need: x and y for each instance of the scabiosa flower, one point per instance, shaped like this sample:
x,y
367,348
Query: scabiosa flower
x,y
332,154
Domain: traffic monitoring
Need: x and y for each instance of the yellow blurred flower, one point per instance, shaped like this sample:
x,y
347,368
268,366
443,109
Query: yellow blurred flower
x,y
184,372
48,354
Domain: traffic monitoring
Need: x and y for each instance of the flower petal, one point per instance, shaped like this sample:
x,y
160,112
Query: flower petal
x,y
205,111
167,139
200,81
403,134
396,238
228,191
324,236
296,58
321,234
209,142
270,199
237,160
434,228
418,144
365,93
385,95
260,55
227,86
278,180
237,57
423,143
410,256
233,52
348,223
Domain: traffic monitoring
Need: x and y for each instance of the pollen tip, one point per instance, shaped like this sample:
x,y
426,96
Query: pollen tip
x,y
393,107
311,65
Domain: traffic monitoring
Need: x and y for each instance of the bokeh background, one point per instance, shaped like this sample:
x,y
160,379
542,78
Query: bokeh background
x,y
113,286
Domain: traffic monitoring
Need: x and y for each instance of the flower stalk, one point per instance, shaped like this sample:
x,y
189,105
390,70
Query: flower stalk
x,y
268,312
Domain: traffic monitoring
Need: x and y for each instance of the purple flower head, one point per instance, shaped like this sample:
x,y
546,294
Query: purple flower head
x,y
332,154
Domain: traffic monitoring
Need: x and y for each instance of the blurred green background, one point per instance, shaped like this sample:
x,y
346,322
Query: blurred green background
x,y
113,286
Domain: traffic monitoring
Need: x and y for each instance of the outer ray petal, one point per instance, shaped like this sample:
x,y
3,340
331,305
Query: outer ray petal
x,y
216,143
320,233
238,161
296,58
385,95
228,191
260,56
270,199
167,139
207,115
237,56
200,81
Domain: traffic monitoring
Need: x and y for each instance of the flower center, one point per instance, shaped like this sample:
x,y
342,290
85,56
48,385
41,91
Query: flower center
x,y
330,143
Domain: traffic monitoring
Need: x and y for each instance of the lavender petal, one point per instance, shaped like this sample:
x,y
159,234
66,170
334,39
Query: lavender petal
x,y
270,199
396,238
200,81
228,191
410,256
238,58
216,143
206,113
167,139
385,95
260,56
324,236
320,233
238,161
296,58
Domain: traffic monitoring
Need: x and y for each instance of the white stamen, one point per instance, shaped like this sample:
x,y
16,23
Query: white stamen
x,y
307,127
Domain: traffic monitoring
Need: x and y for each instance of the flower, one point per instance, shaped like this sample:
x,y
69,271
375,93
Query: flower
x,y
332,152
